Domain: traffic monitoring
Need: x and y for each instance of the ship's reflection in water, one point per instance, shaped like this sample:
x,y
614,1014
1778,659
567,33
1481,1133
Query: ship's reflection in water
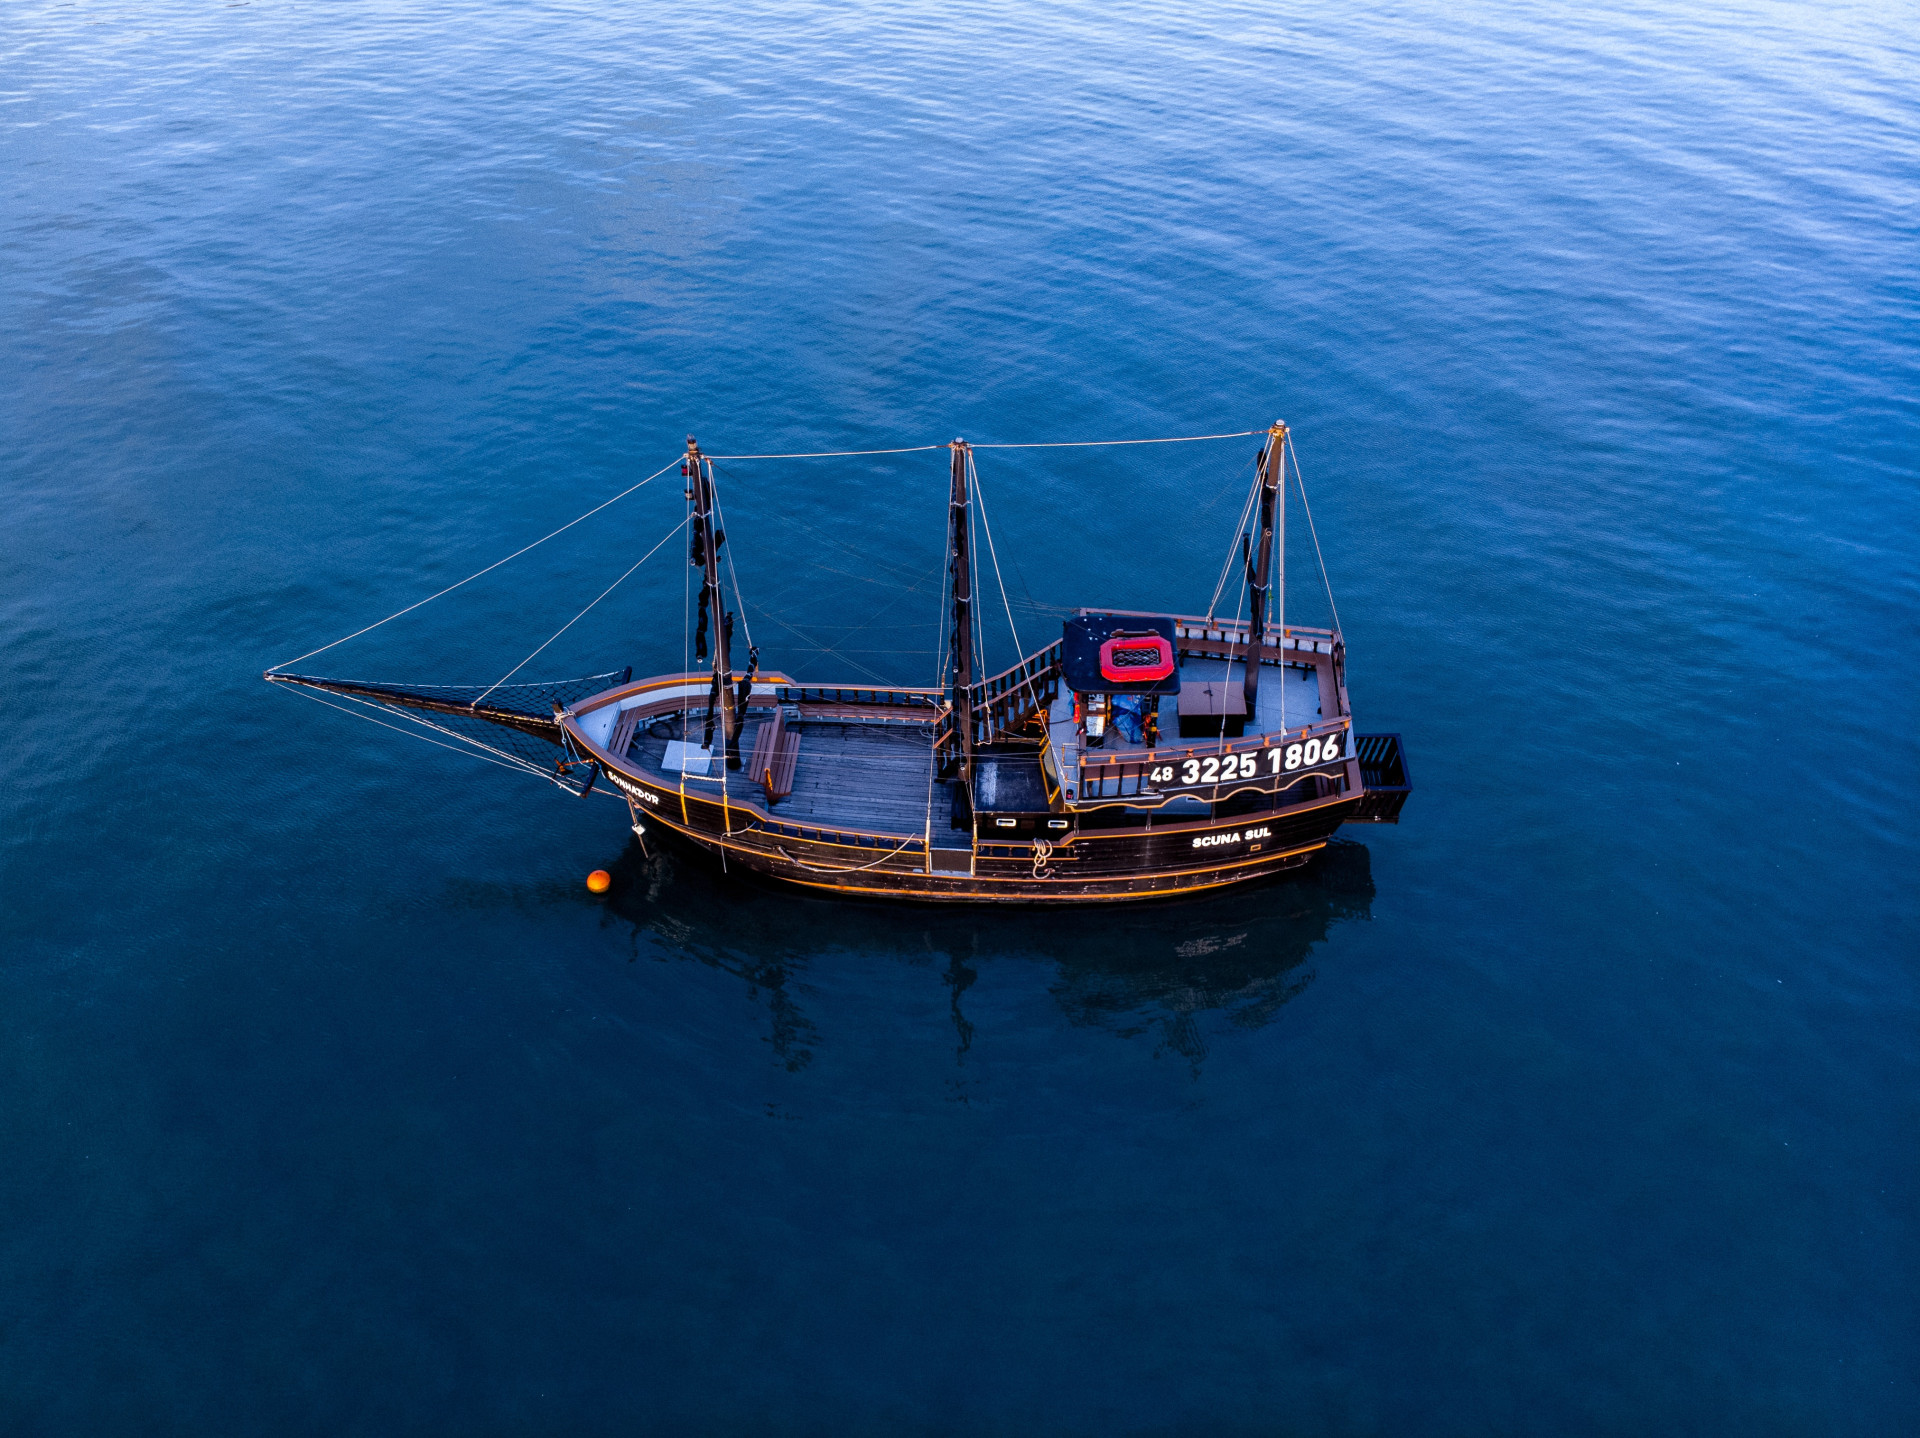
x,y
1150,970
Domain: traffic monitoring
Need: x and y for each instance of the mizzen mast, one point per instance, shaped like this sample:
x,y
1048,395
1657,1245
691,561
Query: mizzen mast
x,y
1260,566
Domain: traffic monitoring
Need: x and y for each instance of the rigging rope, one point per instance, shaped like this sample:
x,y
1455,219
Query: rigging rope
x,y
974,606
506,761
832,453
980,495
794,522
502,758
720,516
1054,444
478,572
452,690
1232,644
1301,485
880,679
1099,443
1019,649
1233,545
582,614
848,630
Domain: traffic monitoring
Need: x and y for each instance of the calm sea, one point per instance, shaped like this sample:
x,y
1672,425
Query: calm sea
x,y
1586,1101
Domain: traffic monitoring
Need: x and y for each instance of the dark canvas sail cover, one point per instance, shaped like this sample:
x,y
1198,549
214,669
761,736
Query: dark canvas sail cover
x,y
1086,635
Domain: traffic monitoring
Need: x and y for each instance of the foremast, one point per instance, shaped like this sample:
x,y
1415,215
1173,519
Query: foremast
x,y
725,705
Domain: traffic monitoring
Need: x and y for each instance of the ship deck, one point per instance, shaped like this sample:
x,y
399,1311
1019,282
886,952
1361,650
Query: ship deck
x,y
877,776
1281,704
869,777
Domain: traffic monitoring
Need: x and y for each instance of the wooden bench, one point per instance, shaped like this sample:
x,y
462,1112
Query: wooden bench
x,y
622,738
776,751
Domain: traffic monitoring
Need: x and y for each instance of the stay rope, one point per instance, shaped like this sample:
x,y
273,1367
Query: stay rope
x,y
1054,444
473,748
986,525
505,760
478,572
852,663
1301,485
1233,545
720,517
582,614
833,453
1100,443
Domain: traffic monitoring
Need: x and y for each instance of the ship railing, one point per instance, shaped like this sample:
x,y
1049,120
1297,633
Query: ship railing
x,y
1227,641
1003,704
1214,638
828,701
1383,779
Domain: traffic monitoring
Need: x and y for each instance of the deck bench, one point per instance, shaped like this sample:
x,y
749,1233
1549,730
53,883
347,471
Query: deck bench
x,y
621,739
776,751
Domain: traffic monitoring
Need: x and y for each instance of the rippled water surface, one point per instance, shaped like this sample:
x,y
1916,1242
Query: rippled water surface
x,y
1583,1102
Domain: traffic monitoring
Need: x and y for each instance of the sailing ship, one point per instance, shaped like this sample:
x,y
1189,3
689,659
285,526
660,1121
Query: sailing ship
x,y
1140,755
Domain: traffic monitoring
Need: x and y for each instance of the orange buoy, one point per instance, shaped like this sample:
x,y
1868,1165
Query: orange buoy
x,y
599,881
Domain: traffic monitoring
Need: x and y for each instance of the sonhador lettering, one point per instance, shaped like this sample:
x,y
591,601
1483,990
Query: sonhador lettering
x,y
1208,841
644,796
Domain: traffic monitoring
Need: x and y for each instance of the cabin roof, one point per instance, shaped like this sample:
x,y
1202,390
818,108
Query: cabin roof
x,y
1080,641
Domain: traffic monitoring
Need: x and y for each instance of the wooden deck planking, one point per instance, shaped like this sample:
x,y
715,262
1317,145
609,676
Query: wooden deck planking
x,y
849,775
861,776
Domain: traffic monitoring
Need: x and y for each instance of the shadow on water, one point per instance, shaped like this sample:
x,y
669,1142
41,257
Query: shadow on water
x,y
1150,970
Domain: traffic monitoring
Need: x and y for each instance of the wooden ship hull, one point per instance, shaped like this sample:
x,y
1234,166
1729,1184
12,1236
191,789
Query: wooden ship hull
x,y
868,812
1049,783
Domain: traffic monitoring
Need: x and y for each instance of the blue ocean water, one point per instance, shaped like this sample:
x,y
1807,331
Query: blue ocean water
x,y
1583,1102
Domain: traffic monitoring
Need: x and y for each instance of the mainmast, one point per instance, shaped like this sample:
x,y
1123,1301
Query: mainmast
x,y
957,547
704,554
1259,571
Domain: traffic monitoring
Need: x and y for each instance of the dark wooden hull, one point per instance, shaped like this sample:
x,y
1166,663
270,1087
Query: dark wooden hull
x,y
1050,782
1091,865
